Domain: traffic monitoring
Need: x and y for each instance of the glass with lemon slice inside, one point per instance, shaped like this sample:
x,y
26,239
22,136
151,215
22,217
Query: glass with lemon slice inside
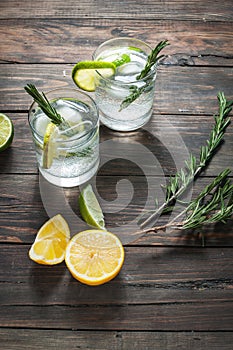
x,y
67,155
113,92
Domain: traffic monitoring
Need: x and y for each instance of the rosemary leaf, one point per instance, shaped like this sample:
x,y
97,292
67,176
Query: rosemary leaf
x,y
135,93
44,104
180,182
152,59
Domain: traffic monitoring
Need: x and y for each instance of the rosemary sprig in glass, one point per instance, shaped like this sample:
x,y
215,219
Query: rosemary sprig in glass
x,y
180,182
46,107
152,59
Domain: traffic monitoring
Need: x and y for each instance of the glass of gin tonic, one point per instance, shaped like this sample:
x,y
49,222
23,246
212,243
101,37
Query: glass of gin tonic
x,y
125,100
67,152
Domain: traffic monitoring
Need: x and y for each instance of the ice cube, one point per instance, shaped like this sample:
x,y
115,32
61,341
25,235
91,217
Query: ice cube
x,y
131,68
40,123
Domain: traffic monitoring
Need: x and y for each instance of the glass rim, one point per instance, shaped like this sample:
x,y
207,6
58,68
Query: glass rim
x,y
66,89
117,82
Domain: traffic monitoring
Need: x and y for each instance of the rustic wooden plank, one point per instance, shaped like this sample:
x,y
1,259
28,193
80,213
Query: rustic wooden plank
x,y
179,296
160,271
99,340
179,10
170,138
22,211
69,40
192,90
196,317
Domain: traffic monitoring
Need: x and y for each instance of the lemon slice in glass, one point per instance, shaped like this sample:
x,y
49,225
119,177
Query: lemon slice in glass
x,y
90,209
6,132
49,146
84,73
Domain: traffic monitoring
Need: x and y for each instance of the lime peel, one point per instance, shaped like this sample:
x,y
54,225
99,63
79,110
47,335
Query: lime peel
x,y
90,209
6,132
84,72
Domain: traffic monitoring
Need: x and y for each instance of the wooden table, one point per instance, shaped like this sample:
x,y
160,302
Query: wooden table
x,y
172,293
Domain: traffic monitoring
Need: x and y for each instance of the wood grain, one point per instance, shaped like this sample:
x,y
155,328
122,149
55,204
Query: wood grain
x,y
179,90
146,9
153,291
68,40
171,293
99,340
170,138
23,213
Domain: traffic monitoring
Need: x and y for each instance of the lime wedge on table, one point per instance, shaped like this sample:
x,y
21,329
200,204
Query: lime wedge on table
x,y
49,146
84,72
6,132
90,209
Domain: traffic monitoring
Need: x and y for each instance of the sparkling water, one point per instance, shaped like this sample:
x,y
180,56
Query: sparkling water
x,y
111,92
75,155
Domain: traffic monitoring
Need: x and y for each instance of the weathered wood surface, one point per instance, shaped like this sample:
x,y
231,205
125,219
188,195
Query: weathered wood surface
x,y
99,340
180,90
142,298
22,211
171,293
68,40
170,138
146,9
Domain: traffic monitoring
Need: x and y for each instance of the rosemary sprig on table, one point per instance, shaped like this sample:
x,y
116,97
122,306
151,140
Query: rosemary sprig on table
x,y
217,208
180,182
214,204
152,59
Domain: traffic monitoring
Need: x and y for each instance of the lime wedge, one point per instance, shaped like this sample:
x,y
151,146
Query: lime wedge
x,y
90,209
49,146
124,58
83,73
6,132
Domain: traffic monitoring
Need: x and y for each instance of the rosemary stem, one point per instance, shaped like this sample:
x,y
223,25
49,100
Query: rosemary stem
x,y
206,153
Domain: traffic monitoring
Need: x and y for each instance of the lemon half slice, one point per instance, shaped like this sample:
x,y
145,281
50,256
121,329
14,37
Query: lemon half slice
x,y
94,257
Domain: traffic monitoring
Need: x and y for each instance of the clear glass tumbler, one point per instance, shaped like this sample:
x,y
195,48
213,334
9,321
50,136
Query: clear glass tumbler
x,y
112,93
67,155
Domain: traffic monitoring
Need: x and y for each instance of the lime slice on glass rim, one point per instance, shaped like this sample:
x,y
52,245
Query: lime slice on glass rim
x,y
90,209
6,132
84,72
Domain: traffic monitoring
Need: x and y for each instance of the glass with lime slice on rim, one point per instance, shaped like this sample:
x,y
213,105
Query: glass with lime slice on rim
x,y
6,132
125,100
68,153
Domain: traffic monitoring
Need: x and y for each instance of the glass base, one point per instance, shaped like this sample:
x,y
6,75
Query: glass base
x,y
124,125
69,181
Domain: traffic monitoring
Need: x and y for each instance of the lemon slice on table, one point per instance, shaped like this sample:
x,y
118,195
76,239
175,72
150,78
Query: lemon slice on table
x,y
51,241
94,257
84,72
90,209
49,146
6,132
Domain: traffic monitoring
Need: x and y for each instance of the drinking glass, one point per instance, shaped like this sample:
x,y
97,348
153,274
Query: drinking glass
x,y
70,156
112,91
